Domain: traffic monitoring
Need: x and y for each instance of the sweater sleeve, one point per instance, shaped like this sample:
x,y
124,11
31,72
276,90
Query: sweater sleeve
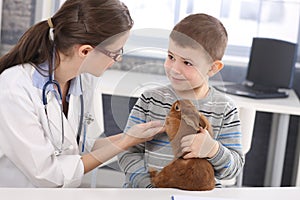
x,y
132,161
229,160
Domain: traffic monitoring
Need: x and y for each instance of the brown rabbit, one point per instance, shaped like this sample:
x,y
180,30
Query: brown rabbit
x,y
188,174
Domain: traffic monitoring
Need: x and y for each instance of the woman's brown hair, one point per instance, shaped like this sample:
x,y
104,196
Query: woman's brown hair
x,y
76,22
204,30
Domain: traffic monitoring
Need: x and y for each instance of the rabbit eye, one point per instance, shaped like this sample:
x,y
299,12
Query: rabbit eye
x,y
177,108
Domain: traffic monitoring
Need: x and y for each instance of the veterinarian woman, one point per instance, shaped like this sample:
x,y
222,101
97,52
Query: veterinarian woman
x,y
46,84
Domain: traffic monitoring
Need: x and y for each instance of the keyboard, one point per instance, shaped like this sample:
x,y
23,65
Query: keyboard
x,y
241,89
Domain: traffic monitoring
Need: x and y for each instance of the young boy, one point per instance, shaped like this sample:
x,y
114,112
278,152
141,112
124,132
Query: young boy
x,y
196,47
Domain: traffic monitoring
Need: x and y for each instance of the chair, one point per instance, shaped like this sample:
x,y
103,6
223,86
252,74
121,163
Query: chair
x,y
247,118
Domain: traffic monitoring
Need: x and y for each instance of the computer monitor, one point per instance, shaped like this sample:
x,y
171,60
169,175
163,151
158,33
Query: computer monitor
x,y
271,63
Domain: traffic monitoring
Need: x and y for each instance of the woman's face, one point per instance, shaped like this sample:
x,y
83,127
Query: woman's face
x,y
103,57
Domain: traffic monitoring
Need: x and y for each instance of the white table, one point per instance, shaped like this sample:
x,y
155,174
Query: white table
x,y
274,193
132,84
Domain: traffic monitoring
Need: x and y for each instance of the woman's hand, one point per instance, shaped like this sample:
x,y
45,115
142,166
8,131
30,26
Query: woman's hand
x,y
200,145
106,148
143,132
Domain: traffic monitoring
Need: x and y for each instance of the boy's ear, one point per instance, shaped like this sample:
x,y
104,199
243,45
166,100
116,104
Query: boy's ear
x,y
215,68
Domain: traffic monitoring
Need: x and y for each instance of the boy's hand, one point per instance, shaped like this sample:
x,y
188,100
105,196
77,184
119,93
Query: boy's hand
x,y
200,145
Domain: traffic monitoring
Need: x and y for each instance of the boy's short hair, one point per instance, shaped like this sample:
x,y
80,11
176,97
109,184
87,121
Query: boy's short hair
x,y
203,29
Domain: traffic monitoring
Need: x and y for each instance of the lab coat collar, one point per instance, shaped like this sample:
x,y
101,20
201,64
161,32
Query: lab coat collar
x,y
39,78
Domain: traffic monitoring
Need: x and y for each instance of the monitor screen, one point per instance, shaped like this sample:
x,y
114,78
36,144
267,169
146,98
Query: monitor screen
x,y
271,63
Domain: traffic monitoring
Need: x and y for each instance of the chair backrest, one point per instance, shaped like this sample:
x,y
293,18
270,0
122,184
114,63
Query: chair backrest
x,y
247,118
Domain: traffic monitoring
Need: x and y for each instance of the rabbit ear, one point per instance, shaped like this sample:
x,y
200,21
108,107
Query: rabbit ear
x,y
204,123
191,121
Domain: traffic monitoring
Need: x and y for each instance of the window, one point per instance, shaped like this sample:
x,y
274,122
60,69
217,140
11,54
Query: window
x,y
243,19
1,14
46,8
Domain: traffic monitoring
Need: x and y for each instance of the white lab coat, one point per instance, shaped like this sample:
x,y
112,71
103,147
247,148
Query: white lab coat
x,y
26,144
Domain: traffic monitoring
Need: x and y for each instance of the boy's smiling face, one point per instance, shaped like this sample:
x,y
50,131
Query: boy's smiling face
x,y
189,69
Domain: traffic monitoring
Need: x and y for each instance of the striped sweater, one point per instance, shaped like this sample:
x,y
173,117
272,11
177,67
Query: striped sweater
x,y
155,104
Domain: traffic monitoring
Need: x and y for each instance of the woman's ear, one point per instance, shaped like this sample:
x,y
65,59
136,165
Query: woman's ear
x,y
215,68
83,50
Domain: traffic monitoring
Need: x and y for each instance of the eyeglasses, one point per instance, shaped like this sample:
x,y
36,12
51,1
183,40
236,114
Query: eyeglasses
x,y
116,56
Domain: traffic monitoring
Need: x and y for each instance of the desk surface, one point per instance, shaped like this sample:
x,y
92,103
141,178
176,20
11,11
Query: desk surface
x,y
274,193
127,83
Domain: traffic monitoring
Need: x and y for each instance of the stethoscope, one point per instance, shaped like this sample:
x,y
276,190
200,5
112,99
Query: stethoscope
x,y
57,89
